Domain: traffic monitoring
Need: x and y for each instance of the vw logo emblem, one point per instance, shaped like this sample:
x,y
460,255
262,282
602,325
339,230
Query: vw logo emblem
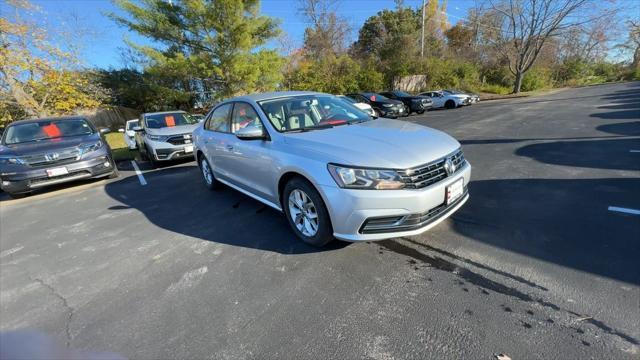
x,y
52,156
449,166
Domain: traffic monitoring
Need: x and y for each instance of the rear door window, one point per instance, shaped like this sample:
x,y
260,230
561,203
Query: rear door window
x,y
219,119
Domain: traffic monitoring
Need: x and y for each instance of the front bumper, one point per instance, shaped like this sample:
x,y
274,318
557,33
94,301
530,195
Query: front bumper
x,y
391,112
163,151
419,209
36,178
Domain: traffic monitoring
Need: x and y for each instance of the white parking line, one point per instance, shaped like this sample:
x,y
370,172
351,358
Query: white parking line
x,y
143,182
624,210
636,151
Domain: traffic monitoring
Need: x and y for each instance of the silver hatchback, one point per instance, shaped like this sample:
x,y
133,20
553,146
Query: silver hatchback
x,y
335,171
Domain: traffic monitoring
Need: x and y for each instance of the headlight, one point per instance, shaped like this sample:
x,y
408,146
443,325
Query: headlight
x,y
155,137
387,105
354,178
11,160
87,148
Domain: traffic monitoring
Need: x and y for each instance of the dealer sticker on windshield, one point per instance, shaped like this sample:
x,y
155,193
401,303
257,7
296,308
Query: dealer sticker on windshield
x,y
455,190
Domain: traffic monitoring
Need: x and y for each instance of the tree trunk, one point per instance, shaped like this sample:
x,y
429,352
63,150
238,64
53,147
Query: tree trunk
x,y
518,83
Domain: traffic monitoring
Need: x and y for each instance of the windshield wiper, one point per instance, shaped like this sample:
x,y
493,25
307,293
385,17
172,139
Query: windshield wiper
x,y
305,129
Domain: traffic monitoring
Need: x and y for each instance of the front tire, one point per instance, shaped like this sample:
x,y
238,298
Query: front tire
x,y
450,104
207,174
420,112
306,212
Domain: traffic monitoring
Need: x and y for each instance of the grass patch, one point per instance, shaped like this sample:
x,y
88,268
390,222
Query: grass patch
x,y
119,148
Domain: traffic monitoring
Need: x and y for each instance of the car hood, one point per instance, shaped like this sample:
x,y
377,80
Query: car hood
x,y
459,96
42,146
173,130
382,143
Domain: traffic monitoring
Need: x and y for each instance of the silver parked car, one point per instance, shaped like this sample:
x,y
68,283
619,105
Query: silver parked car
x,y
446,100
163,136
333,170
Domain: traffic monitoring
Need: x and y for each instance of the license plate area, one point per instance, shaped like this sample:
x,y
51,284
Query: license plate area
x,y
454,191
57,171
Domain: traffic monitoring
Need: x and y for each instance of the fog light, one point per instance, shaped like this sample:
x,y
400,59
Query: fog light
x,y
107,164
6,183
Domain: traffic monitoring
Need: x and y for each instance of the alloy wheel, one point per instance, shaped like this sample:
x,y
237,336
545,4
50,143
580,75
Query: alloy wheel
x,y
303,212
206,171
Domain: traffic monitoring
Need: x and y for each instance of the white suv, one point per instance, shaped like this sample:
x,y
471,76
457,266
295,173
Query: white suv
x,y
163,136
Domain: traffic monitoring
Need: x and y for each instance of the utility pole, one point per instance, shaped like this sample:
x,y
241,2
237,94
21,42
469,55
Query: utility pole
x,y
422,37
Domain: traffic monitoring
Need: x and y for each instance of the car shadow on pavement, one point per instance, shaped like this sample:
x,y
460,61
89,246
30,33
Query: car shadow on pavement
x,y
595,154
624,128
176,200
561,221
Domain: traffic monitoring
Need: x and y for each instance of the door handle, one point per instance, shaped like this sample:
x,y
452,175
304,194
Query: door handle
x,y
229,147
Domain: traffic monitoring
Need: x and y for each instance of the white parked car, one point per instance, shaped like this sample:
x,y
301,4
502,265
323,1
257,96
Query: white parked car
x,y
442,99
360,105
129,133
474,98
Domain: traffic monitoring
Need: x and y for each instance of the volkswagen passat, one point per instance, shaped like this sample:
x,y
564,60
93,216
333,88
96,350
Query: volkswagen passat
x,y
333,170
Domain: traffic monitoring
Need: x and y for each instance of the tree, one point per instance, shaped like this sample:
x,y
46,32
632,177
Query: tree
x,y
526,25
328,33
207,47
392,40
633,43
37,76
460,40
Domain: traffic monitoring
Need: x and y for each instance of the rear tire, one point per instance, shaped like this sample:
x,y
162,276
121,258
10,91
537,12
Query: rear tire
x,y
450,104
306,213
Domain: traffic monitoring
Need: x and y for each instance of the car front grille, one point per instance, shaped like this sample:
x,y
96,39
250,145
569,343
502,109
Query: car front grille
x,y
53,157
428,174
179,139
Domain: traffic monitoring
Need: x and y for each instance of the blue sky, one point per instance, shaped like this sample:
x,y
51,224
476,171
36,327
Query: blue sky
x,y
103,37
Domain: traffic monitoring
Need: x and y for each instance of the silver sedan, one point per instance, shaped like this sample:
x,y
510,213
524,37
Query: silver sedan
x,y
334,171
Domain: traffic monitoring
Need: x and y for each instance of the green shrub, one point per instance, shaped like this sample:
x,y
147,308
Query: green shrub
x,y
495,89
535,79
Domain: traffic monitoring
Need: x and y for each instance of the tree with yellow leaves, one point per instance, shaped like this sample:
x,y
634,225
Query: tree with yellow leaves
x,y
37,77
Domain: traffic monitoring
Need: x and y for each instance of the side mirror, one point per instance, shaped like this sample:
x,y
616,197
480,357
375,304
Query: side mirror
x,y
138,129
250,133
121,130
103,130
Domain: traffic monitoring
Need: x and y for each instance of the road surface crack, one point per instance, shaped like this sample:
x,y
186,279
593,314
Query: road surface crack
x,y
68,309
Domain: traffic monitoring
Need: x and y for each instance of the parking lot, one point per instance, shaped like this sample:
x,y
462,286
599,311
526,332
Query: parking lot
x,y
541,262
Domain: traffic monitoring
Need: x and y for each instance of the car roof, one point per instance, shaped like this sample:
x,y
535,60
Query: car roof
x,y
164,112
273,95
57,118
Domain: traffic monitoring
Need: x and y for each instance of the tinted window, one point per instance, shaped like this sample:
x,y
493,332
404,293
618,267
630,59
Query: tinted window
x,y
132,124
244,116
375,97
46,129
219,120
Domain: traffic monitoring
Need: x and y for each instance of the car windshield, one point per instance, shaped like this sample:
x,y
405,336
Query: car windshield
x,y
375,97
46,129
401,93
310,112
132,124
157,121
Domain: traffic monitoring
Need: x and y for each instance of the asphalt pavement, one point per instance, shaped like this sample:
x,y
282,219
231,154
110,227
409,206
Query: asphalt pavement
x,y
542,262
